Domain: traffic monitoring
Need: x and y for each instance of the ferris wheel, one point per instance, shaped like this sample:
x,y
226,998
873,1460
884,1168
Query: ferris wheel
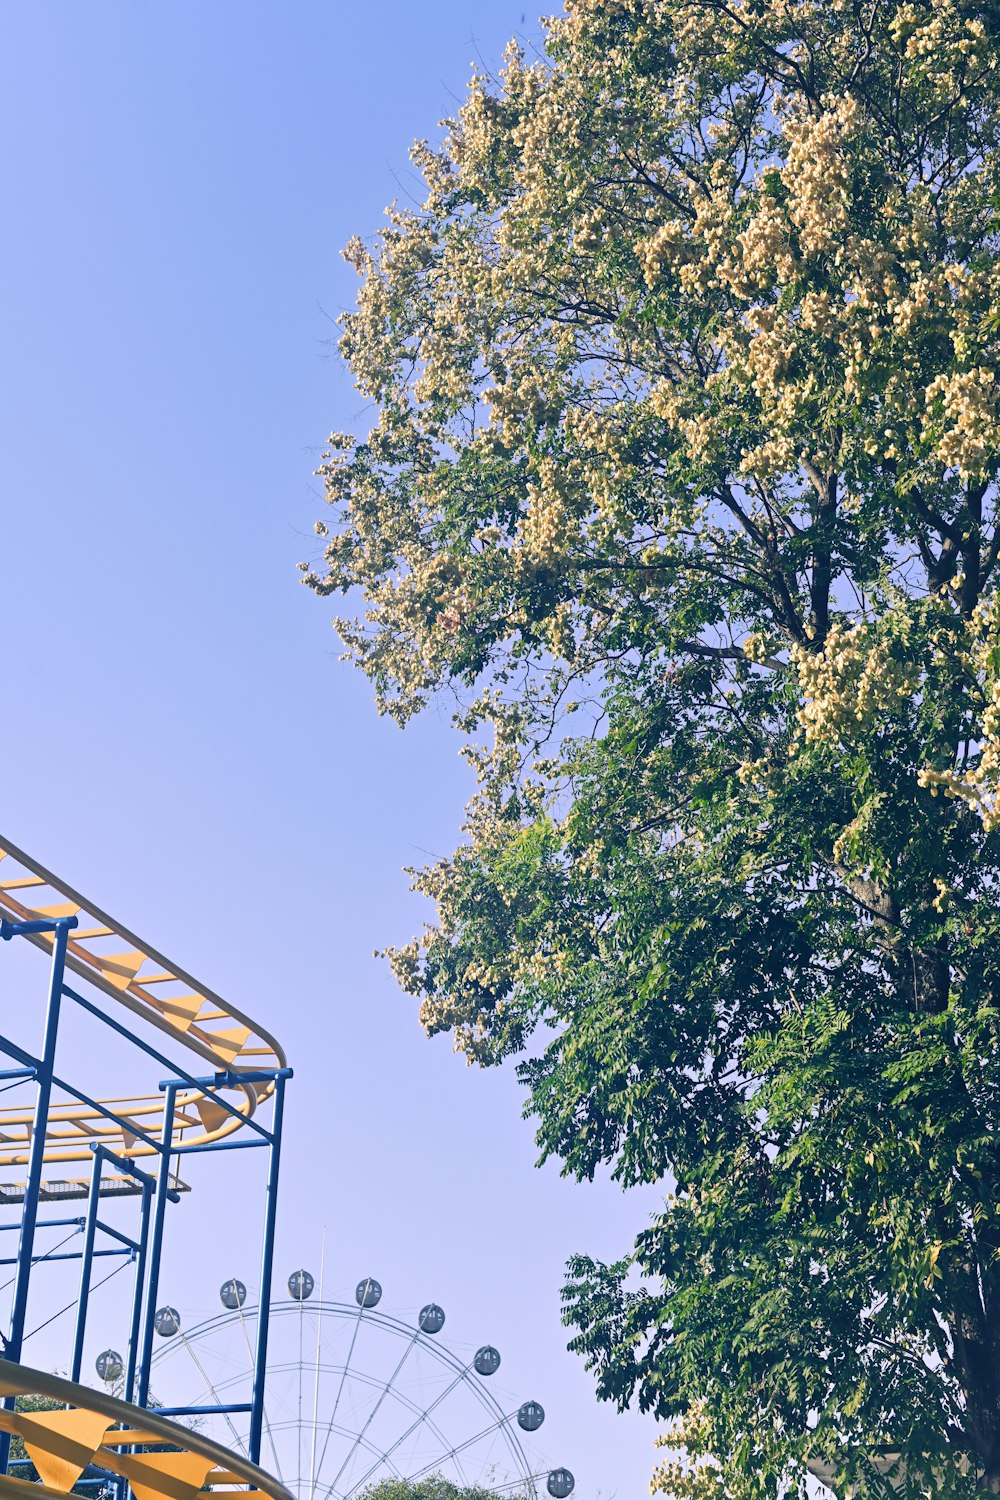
x,y
353,1395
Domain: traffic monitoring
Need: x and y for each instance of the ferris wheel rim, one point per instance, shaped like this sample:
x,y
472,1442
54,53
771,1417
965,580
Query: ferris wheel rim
x,y
285,1306
281,1307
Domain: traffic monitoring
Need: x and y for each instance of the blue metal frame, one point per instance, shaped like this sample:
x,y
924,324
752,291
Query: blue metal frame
x,y
42,1069
26,1245
135,1320
155,1192
266,1267
152,1285
134,1248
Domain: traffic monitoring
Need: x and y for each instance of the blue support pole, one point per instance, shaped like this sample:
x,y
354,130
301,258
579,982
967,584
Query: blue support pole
x,y
195,1146
11,1049
202,1411
115,1234
152,1286
267,1262
9,929
33,1183
87,1259
50,1223
72,1255
32,1186
140,1271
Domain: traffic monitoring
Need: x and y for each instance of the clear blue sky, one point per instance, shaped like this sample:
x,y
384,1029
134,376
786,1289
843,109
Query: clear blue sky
x,y
178,735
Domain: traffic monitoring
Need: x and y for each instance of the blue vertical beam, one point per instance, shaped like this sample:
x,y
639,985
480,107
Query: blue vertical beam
x,y
267,1262
33,1182
87,1261
132,1356
152,1286
32,1186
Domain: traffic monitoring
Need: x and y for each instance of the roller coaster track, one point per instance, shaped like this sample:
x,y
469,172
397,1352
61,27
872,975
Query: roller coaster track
x,y
90,1433
139,978
72,1433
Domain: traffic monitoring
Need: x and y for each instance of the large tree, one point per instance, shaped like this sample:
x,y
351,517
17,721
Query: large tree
x,y
682,479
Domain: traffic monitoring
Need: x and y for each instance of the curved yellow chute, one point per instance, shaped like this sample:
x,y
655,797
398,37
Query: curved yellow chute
x,y
160,1459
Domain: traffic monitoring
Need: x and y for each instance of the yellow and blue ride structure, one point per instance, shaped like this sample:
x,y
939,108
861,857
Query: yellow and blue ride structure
x,y
59,1144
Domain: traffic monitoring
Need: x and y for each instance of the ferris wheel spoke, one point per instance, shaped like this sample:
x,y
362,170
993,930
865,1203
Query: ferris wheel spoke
x,y
298,1463
421,1419
340,1390
514,1484
267,1426
319,1336
368,1445
374,1411
452,1454
215,1394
